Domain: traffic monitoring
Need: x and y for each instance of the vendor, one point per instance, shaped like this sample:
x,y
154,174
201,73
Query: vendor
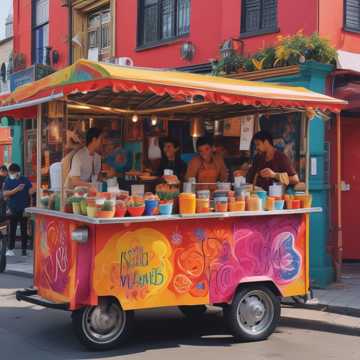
x,y
171,159
86,163
270,165
207,167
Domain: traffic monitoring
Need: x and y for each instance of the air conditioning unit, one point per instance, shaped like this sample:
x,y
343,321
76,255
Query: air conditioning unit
x,y
123,61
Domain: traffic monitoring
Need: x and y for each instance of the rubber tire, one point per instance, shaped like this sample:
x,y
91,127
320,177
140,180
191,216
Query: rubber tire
x,y
2,253
193,311
77,321
230,315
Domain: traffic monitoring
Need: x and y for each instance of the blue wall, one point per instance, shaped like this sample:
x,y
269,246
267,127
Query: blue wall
x,y
313,75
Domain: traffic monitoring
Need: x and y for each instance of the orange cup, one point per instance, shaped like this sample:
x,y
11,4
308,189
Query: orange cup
x,y
289,203
270,203
296,204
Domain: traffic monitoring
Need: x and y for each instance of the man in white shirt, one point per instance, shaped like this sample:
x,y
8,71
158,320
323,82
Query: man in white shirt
x,y
86,163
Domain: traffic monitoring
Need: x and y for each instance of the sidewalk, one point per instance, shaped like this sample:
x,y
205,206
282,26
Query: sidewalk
x,y
20,265
341,297
345,294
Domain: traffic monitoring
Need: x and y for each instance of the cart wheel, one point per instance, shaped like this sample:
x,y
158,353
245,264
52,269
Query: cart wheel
x,y
104,326
192,311
253,314
2,253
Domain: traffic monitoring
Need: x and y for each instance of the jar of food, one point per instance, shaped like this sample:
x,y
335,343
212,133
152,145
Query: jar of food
x,y
203,205
187,203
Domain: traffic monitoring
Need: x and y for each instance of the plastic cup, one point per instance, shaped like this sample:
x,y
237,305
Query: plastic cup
x,y
151,207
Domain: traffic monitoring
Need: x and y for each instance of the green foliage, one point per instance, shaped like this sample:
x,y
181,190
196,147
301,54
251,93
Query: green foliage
x,y
289,50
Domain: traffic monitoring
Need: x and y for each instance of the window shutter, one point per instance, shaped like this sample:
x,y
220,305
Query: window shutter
x,y
168,18
251,15
352,14
269,14
151,20
183,17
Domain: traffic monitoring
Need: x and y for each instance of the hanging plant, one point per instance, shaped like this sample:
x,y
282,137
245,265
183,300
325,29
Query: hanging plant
x,y
227,65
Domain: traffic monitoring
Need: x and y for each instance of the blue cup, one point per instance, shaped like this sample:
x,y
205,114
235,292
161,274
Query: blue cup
x,y
263,196
166,209
151,206
279,204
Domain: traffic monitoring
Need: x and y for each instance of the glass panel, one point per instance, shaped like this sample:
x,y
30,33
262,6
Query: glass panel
x,y
93,39
105,35
183,18
41,42
41,9
150,25
168,15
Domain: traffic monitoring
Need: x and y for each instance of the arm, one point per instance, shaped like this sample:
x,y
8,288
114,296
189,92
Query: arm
x,y
224,172
10,193
76,181
192,169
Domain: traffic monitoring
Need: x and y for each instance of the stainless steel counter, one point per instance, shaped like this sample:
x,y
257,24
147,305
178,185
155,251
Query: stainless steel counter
x,y
144,219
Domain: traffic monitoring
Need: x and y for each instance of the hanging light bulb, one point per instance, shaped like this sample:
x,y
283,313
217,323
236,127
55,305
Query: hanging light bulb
x,y
154,120
135,118
197,127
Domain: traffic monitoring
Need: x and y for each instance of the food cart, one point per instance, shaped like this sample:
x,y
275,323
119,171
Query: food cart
x,y
102,269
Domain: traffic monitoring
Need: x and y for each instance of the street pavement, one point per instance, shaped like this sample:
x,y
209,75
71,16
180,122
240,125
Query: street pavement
x,y
35,333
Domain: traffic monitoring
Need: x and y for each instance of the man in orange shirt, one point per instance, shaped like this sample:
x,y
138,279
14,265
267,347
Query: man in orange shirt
x,y
207,167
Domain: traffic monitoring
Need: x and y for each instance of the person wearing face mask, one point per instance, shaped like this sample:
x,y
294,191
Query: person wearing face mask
x,y
17,190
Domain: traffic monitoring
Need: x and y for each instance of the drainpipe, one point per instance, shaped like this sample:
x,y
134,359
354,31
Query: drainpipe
x,y
70,56
338,197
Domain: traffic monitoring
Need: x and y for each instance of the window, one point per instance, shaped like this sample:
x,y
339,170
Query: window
x,y
99,35
258,16
161,20
352,15
40,20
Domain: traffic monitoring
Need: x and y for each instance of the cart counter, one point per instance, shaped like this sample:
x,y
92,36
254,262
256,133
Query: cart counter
x,y
154,261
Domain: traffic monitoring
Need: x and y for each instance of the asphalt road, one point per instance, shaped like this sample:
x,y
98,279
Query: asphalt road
x,y
34,333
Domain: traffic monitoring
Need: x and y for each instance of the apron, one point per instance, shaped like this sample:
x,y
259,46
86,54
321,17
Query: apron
x,y
207,174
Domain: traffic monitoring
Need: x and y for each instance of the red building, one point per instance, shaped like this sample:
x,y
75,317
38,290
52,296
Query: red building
x,y
152,32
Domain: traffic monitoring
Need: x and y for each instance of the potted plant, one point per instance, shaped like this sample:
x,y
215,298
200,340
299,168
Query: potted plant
x,y
136,206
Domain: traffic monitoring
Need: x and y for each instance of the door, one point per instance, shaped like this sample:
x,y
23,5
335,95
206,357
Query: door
x,y
351,188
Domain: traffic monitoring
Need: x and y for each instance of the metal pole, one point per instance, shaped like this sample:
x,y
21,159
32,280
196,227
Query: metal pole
x,y
307,166
338,197
38,154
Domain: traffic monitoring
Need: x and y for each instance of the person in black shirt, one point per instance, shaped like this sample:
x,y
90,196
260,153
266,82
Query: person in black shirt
x,y
171,159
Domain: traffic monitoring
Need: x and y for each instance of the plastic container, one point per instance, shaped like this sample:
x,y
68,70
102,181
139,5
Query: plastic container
x,y
166,209
136,211
237,205
263,196
270,203
203,194
105,213
203,205
307,201
91,211
296,204
151,207
76,208
254,203
120,208
279,204
221,204
187,203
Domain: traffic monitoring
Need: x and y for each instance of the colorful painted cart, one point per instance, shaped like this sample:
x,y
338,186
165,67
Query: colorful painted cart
x,y
104,269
